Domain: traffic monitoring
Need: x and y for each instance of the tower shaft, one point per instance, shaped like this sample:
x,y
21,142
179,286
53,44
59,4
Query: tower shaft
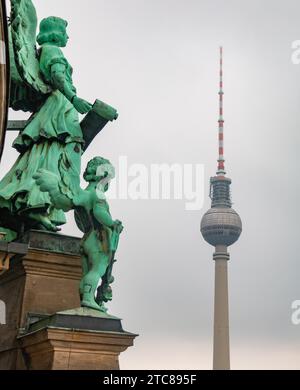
x,y
221,352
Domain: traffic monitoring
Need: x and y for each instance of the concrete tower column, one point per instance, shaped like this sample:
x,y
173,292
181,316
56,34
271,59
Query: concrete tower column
x,y
221,354
221,227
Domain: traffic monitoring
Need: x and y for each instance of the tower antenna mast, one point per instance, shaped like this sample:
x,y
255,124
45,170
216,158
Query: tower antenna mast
x,y
221,160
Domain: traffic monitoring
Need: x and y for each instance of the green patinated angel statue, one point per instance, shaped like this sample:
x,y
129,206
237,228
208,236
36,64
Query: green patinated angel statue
x,y
101,232
41,83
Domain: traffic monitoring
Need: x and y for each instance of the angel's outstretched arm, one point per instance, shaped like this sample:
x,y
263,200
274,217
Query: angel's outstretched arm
x,y
58,77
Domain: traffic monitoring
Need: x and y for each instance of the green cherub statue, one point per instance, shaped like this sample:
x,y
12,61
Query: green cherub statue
x,y
101,232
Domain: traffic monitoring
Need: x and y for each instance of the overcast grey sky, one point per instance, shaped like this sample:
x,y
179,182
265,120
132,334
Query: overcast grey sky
x,y
156,61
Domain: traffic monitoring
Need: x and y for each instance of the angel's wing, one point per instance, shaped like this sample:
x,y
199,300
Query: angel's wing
x,y
4,74
83,220
26,79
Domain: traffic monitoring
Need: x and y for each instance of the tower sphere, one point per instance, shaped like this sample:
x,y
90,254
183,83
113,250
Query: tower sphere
x,y
221,226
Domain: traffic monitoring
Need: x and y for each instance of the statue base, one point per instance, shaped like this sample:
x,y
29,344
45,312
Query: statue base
x,y
42,329
81,339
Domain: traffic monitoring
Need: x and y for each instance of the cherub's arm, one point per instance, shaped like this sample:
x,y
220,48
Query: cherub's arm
x,y
58,78
102,215
49,182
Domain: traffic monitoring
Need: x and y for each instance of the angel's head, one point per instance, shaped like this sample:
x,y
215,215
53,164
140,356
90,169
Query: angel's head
x,y
53,30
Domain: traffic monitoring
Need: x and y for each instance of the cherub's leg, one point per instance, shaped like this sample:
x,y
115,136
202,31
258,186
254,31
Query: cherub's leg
x,y
99,261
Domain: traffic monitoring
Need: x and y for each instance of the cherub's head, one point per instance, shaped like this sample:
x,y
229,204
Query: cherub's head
x,y
100,171
53,30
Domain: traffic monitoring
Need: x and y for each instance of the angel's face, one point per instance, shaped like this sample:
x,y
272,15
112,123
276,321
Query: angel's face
x,y
64,38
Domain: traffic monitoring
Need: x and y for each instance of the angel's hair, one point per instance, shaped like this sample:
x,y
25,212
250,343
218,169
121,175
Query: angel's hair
x,y
52,29
97,169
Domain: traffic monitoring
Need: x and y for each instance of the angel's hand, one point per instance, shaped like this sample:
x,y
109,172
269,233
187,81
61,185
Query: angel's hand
x,y
47,181
81,105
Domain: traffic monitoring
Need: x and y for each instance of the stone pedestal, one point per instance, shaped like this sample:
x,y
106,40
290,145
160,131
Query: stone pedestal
x,y
81,339
43,282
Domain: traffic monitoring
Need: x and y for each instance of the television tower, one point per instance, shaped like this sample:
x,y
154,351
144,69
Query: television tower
x,y
221,227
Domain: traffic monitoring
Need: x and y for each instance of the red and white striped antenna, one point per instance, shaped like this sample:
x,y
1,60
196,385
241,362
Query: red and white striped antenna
x,y
221,160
